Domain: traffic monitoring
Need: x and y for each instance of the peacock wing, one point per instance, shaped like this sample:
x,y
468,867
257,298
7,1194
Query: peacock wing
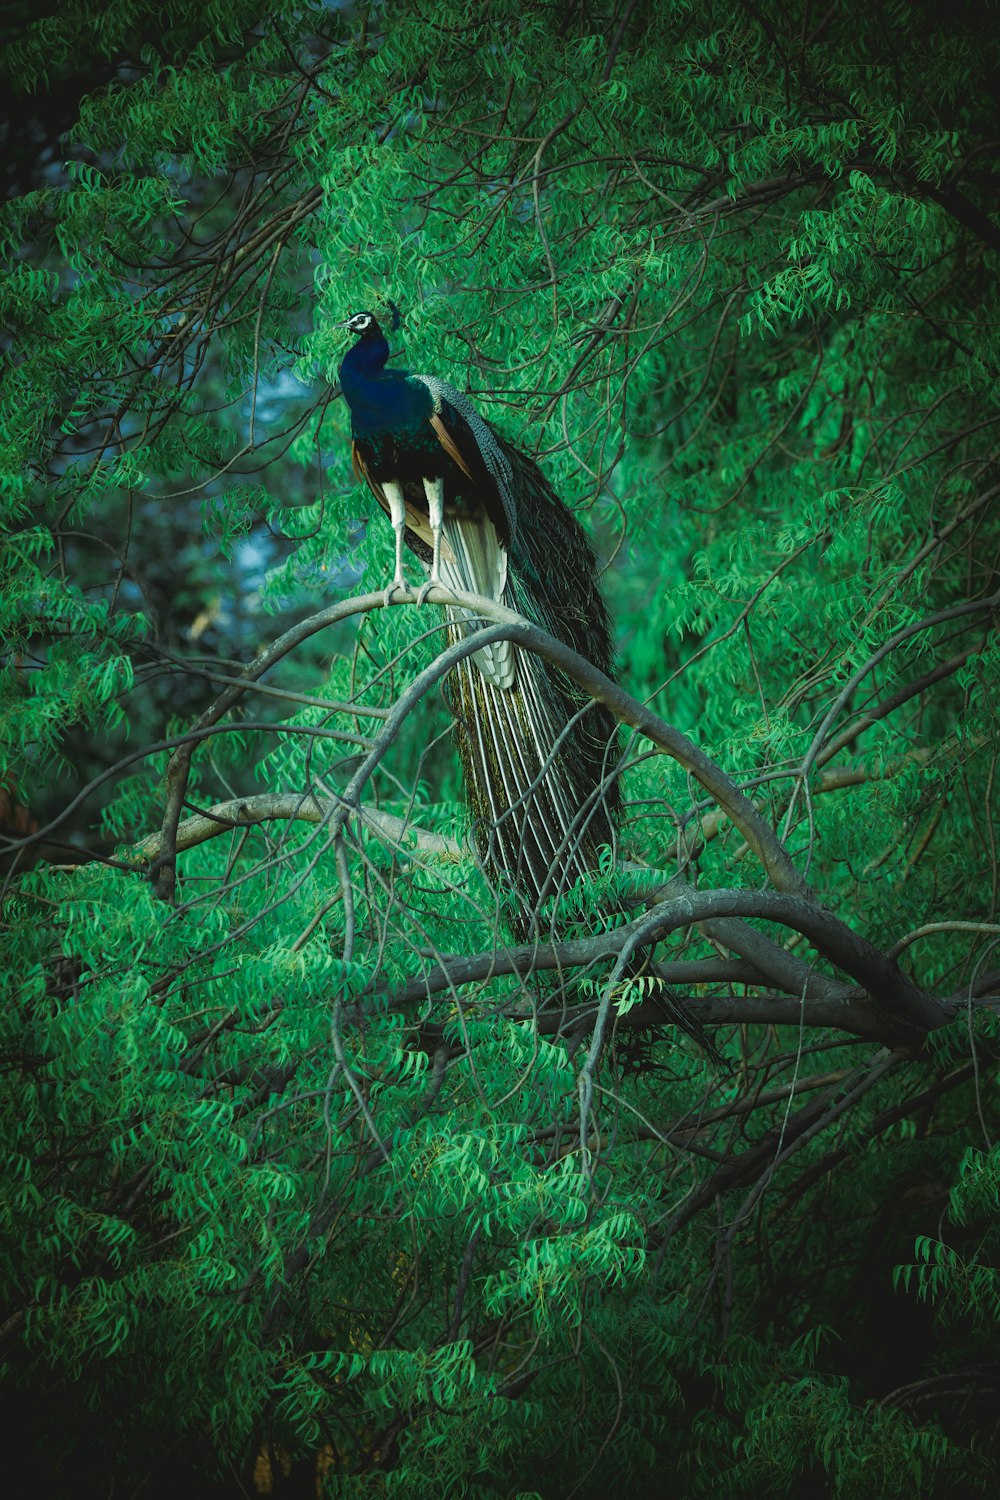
x,y
478,451
476,535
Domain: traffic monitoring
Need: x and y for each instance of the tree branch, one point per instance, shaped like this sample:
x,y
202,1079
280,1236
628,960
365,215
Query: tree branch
x,y
246,812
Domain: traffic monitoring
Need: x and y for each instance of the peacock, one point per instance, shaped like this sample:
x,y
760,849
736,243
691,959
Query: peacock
x,y
539,756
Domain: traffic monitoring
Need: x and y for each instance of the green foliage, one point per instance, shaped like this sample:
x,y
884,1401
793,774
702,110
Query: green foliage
x,y
272,1186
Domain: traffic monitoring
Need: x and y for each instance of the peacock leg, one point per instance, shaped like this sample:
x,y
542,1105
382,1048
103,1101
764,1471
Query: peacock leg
x,y
397,515
434,490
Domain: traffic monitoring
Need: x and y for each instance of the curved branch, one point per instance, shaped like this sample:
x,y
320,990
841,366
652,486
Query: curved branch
x,y
911,1010
888,1006
760,837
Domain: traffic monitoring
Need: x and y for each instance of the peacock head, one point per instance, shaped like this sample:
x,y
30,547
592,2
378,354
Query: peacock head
x,y
363,324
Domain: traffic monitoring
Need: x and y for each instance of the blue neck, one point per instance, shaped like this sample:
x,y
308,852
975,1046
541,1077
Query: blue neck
x,y
381,400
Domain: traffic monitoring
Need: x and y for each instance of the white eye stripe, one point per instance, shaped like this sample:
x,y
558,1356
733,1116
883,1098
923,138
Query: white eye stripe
x,y
359,322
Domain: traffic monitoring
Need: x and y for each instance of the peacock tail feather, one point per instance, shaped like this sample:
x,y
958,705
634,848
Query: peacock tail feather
x,y
538,755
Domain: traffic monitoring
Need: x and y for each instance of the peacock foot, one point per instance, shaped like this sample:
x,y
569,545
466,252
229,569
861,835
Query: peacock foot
x,y
397,584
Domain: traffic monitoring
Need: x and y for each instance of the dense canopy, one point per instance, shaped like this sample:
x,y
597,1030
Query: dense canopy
x,y
313,1176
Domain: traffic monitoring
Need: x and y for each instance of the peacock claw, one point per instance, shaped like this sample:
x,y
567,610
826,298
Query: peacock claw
x,y
394,587
425,589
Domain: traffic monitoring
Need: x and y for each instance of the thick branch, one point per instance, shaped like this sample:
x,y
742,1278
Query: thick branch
x,y
890,1007
909,1009
245,812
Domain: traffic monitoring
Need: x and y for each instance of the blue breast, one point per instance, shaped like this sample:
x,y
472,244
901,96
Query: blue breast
x,y
381,400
